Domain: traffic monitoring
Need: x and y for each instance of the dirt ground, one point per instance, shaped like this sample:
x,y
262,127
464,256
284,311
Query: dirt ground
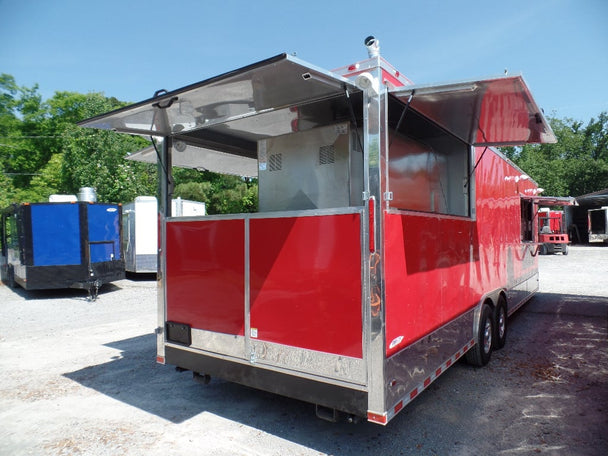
x,y
80,378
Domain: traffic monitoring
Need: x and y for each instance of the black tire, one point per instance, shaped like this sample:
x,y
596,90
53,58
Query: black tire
x,y
481,353
565,249
542,250
500,324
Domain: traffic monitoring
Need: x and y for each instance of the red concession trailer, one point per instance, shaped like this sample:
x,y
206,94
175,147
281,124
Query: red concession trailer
x,y
376,259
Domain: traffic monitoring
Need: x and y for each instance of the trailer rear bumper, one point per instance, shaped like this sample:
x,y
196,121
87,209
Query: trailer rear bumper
x,y
69,276
315,391
593,237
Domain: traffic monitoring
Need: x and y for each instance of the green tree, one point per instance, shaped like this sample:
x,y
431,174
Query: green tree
x,y
96,158
23,131
45,183
42,151
577,164
222,194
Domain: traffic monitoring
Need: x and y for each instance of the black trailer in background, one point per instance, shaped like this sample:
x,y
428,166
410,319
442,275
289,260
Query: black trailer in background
x,y
577,217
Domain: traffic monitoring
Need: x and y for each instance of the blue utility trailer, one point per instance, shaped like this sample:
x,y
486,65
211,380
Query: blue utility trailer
x,y
61,245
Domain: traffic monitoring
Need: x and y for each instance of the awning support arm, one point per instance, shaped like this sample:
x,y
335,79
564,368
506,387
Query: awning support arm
x,y
407,105
159,159
353,118
475,167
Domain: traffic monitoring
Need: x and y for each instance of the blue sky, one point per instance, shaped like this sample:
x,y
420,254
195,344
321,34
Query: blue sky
x,y
131,48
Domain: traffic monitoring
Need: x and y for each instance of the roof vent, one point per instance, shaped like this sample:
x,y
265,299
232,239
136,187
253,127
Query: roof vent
x,y
373,46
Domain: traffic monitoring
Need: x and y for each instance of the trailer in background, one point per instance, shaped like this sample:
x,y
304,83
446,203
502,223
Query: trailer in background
x,y
577,216
391,238
598,224
140,234
140,230
61,245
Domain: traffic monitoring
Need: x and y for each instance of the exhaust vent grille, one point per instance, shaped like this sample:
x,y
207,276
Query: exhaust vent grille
x,y
327,155
275,162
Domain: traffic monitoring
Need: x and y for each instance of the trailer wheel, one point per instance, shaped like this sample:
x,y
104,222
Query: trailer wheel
x,y
500,324
542,250
480,354
565,250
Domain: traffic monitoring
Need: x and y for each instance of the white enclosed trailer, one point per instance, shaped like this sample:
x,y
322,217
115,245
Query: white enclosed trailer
x,y
140,234
598,224
140,228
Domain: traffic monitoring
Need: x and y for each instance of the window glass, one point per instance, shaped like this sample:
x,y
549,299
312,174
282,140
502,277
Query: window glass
x,y
428,168
527,220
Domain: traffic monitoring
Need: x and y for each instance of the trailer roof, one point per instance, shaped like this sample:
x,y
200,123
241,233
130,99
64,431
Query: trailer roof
x,y
488,112
599,198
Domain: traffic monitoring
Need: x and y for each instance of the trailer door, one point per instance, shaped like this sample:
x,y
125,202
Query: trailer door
x,y
104,232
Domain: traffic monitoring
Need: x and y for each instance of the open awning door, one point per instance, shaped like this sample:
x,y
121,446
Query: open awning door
x,y
215,124
489,112
277,83
552,200
189,156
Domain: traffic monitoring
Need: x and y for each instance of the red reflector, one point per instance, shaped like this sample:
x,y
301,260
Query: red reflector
x,y
438,372
427,382
399,406
457,355
376,418
352,67
449,363
160,359
413,394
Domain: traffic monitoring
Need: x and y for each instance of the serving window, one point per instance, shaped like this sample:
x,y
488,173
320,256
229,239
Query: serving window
x,y
428,168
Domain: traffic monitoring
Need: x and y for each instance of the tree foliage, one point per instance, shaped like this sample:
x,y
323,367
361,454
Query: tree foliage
x,y
576,165
222,194
44,152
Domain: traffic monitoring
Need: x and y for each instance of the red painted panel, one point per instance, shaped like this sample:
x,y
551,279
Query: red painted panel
x,y
427,274
504,260
505,114
437,267
205,274
306,282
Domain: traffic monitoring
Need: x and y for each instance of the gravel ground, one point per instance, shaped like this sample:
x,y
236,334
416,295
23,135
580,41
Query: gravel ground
x,y
79,378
